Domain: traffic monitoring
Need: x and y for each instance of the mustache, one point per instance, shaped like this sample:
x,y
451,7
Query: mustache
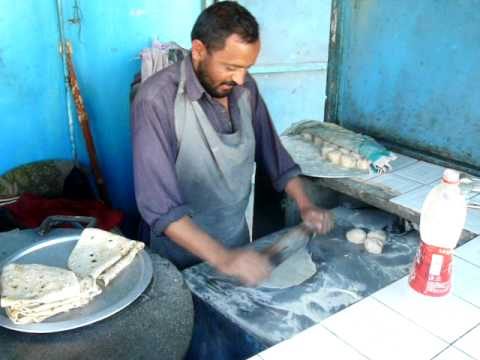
x,y
230,83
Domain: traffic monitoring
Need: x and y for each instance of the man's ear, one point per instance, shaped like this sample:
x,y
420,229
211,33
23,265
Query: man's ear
x,y
199,50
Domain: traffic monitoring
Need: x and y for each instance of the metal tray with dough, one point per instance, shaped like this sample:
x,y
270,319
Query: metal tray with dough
x,y
308,157
120,293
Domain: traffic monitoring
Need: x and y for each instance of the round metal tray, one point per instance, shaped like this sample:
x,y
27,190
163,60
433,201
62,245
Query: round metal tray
x,y
120,293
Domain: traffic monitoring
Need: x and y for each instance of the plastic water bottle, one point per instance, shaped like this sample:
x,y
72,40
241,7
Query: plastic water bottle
x,y
441,223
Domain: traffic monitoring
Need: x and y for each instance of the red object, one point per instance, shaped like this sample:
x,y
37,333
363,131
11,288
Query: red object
x,y
30,210
432,270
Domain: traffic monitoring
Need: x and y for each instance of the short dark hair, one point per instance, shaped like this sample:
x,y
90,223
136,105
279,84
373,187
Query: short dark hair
x,y
222,19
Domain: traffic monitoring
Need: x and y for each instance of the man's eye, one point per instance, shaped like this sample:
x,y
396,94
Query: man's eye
x,y
231,68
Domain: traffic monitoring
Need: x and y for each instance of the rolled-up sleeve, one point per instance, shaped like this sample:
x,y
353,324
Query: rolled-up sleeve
x,y
269,150
157,193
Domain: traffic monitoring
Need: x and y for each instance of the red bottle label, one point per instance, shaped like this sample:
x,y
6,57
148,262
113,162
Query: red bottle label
x,y
432,271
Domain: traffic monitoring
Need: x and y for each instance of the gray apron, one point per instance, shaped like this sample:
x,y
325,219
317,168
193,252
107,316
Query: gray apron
x,y
214,172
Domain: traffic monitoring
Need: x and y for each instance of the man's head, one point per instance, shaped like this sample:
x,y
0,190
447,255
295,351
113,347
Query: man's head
x,y
225,43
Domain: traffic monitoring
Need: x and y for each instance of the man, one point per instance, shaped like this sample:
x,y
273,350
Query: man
x,y
198,127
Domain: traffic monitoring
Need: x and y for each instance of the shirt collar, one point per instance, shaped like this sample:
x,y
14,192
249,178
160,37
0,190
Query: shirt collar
x,y
193,87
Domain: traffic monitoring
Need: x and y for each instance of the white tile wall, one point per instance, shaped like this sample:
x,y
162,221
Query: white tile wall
x,y
395,183
414,199
472,222
402,161
422,172
380,333
447,317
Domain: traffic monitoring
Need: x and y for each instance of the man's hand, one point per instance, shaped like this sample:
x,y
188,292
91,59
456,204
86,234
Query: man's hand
x,y
248,266
321,220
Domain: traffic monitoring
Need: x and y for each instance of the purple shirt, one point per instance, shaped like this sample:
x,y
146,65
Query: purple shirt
x,y
159,198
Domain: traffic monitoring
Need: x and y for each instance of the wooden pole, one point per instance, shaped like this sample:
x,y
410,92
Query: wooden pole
x,y
85,125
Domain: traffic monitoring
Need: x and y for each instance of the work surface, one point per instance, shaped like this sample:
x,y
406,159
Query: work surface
x,y
397,323
346,273
157,325
402,190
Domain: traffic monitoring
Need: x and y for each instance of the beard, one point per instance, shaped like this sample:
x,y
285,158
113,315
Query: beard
x,y
208,85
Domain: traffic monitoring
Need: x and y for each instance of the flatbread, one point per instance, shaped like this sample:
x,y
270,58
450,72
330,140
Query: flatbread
x,y
112,272
30,284
293,271
102,255
39,312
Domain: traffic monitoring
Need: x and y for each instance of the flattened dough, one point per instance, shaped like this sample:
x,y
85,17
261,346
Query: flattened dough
x,y
293,271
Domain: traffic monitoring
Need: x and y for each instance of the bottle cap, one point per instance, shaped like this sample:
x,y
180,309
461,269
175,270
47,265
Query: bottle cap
x,y
451,176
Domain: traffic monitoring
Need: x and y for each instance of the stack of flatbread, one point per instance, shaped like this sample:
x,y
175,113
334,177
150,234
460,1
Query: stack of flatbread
x,y
31,293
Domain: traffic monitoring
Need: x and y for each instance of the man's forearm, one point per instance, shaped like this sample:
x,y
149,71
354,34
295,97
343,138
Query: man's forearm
x,y
295,190
189,236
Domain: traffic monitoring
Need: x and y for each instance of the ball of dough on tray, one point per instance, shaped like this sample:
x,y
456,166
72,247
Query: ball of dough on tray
x,y
347,161
307,137
327,148
334,157
356,236
317,140
363,164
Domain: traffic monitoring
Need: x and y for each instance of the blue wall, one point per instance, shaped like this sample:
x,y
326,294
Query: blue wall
x,y
408,72
34,122
106,50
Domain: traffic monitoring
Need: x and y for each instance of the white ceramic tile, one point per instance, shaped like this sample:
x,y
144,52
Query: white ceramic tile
x,y
470,343
402,161
397,164
472,222
422,172
465,281
452,354
470,251
380,333
447,317
395,183
472,197
313,343
413,199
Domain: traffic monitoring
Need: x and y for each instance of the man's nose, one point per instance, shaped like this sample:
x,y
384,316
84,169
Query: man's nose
x,y
239,76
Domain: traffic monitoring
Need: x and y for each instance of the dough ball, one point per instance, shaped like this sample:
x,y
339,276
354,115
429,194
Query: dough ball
x,y
307,137
379,235
373,245
363,164
356,236
344,151
317,140
334,157
356,156
327,148
347,161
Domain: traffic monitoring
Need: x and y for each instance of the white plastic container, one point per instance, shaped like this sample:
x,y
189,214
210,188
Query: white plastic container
x,y
443,213
441,224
